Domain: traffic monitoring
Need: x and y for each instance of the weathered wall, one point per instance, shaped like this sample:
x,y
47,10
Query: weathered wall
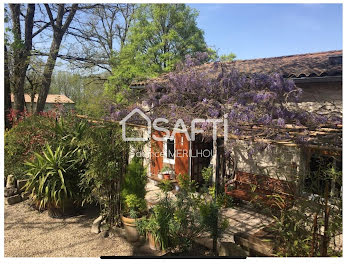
x,y
290,163
323,98
275,161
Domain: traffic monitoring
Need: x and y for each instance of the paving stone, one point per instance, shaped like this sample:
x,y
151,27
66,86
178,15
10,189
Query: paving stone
x,y
10,181
230,249
96,225
20,185
10,191
13,199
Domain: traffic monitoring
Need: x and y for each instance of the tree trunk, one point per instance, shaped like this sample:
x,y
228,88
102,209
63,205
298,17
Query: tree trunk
x,y
21,52
58,32
47,73
7,90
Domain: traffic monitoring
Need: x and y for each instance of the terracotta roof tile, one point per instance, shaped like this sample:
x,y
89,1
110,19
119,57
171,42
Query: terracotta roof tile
x,y
327,63
51,99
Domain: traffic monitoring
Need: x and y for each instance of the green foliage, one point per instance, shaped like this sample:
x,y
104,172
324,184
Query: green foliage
x,y
69,131
134,188
32,133
135,205
212,219
92,101
135,179
165,186
227,57
54,176
176,222
160,37
159,224
206,174
293,227
166,169
28,136
106,167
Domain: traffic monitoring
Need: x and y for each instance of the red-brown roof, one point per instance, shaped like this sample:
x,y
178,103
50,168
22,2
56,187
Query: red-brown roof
x,y
51,99
319,64
328,63
295,66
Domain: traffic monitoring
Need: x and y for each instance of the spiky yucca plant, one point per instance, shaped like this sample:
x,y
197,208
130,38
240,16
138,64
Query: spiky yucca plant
x,y
54,176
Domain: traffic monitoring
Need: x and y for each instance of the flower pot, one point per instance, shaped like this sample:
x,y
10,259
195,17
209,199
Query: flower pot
x,y
152,243
130,228
167,176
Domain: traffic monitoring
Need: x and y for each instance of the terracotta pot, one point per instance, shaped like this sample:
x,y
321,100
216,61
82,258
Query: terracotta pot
x,y
167,176
130,228
152,243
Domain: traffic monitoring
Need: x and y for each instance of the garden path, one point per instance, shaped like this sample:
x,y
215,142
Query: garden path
x,y
29,233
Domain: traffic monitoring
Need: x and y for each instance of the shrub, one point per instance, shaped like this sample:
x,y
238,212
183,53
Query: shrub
x,y
135,179
106,167
309,227
176,222
135,206
31,133
28,136
160,224
54,176
134,189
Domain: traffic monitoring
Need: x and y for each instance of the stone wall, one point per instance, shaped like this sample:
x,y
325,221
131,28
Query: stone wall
x,y
289,163
275,161
323,98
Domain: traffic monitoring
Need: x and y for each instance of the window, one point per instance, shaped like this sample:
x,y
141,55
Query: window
x,y
322,176
169,151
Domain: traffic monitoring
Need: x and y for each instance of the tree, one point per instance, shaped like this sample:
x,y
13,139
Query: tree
x,y
7,89
33,79
21,49
69,84
227,57
59,28
92,100
161,36
7,83
101,31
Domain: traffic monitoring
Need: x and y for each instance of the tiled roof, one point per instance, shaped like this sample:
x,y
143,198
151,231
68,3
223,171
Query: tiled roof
x,y
318,64
51,99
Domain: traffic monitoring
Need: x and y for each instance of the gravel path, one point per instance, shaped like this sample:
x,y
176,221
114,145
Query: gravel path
x,y
29,233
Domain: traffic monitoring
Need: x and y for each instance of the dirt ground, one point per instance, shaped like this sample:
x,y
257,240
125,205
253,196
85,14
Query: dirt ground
x,y
29,233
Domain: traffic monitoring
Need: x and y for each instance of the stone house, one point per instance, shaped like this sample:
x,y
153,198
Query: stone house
x,y
320,77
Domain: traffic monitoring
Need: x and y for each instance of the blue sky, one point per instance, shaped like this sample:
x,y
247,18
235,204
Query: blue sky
x,y
267,30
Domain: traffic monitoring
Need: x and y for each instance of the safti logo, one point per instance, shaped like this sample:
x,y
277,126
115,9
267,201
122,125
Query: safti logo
x,y
180,127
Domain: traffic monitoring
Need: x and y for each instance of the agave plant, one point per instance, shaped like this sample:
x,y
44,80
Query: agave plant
x,y
70,135
54,176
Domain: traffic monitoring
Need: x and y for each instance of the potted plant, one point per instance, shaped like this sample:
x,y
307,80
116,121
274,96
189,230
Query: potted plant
x,y
135,208
167,172
133,197
157,228
53,181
